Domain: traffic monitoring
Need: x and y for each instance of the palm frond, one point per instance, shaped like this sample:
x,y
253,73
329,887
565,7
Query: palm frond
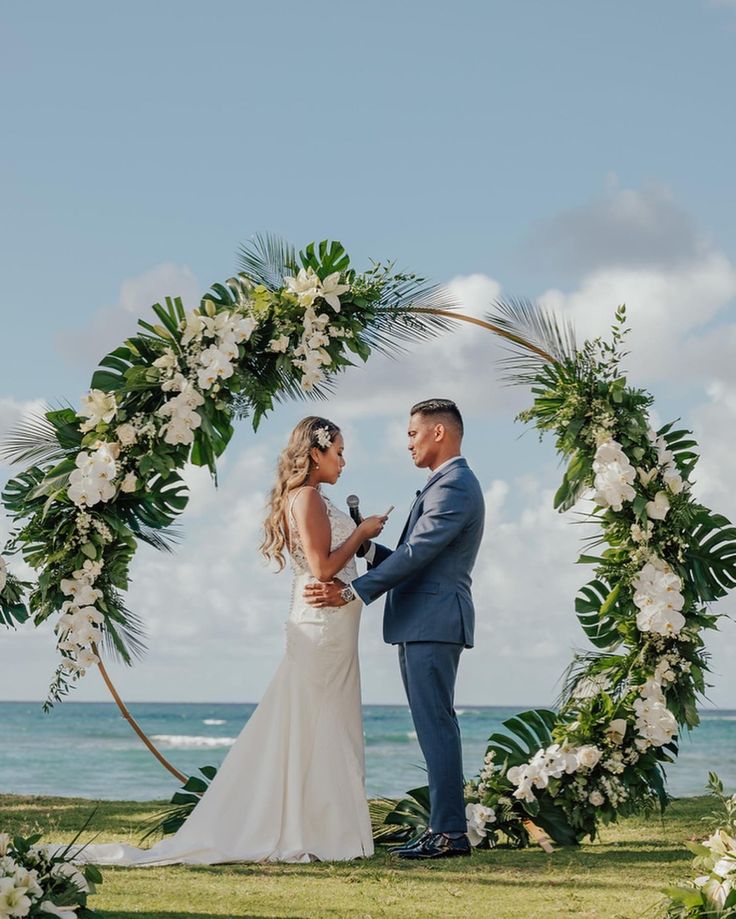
x,y
266,259
604,669
406,312
164,540
33,439
124,637
529,332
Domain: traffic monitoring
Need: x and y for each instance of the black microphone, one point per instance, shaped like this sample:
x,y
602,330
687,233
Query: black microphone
x,y
353,502
353,508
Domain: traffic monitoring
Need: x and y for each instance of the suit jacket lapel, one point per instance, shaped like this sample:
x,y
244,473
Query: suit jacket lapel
x,y
432,479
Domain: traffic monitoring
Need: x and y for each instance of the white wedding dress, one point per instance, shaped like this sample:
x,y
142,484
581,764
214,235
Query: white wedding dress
x,y
291,788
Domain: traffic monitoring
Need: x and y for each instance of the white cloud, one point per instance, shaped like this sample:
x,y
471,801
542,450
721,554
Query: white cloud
x,y
642,227
461,365
109,326
668,310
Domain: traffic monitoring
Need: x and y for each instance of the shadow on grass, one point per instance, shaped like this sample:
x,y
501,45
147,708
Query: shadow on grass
x,y
157,914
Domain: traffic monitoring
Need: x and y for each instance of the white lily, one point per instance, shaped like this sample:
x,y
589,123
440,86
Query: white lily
x,y
332,289
97,407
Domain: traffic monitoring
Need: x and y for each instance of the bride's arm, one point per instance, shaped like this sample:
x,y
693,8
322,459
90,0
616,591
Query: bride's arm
x,y
311,518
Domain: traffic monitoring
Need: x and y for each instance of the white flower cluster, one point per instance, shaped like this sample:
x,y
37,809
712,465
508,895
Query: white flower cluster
x,y
477,816
614,476
655,723
717,886
658,597
310,355
182,413
308,287
22,888
97,407
78,626
92,480
551,763
666,463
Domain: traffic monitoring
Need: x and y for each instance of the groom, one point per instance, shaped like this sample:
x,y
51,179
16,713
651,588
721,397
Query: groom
x,y
429,610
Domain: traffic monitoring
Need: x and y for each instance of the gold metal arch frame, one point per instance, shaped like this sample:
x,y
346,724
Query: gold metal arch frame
x,y
503,333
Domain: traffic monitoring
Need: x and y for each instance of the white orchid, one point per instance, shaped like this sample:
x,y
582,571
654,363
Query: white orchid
x,y
91,482
477,816
97,407
614,476
215,366
168,361
332,289
194,326
673,480
243,327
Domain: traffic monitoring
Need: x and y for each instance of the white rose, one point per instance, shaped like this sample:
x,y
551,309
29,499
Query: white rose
x,y
129,483
588,756
596,798
126,434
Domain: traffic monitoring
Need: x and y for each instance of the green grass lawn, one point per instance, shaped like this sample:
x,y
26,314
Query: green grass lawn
x,y
620,875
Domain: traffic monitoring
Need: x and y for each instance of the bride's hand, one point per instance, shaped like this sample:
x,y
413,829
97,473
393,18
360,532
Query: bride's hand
x,y
372,526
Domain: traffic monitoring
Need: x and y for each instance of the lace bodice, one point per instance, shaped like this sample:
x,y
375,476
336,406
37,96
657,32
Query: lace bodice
x,y
341,526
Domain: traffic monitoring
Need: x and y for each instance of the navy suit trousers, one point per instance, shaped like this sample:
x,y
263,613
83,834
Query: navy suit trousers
x,y
428,669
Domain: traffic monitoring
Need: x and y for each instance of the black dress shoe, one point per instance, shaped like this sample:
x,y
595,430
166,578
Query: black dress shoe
x,y
395,850
437,845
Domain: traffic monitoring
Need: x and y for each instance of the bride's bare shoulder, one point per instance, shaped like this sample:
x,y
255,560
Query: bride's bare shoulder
x,y
306,499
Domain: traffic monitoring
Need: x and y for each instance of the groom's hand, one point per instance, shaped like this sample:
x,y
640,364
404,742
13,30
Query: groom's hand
x,y
327,594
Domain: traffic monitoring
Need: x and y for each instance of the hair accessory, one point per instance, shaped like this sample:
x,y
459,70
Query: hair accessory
x,y
323,437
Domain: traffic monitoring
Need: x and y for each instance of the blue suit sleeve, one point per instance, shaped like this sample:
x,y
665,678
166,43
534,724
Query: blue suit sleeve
x,y
446,513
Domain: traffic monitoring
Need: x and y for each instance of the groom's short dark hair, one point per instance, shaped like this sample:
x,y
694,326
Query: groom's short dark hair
x,y
443,410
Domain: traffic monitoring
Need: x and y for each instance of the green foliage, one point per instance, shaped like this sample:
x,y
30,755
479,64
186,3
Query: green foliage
x,y
183,802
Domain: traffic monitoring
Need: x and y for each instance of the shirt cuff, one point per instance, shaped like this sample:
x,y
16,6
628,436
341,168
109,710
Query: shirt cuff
x,y
370,554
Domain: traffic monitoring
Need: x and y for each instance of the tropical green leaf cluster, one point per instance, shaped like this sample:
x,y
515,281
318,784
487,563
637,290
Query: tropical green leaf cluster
x,y
56,535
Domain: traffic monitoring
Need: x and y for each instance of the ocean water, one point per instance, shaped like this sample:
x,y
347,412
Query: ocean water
x,y
87,749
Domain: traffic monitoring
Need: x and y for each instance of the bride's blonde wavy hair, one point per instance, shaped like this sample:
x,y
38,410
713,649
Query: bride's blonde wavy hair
x,y
292,470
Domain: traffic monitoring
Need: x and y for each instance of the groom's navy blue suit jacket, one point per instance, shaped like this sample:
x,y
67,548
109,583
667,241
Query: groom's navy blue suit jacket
x,y
427,576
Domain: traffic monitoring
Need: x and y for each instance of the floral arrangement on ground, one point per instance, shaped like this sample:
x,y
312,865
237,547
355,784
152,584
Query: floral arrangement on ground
x,y
662,558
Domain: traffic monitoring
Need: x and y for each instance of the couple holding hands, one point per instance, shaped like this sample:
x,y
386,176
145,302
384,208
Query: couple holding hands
x,y
291,788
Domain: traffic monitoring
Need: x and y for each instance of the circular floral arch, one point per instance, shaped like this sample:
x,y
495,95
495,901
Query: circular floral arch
x,y
106,476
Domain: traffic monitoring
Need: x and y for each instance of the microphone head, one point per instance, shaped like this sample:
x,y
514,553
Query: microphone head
x,y
353,500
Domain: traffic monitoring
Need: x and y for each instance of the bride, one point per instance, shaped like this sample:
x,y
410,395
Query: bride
x,y
291,788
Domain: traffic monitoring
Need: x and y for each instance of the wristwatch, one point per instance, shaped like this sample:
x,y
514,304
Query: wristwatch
x,y
347,593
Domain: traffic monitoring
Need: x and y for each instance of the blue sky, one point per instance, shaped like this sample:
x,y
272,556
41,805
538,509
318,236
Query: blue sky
x,y
578,152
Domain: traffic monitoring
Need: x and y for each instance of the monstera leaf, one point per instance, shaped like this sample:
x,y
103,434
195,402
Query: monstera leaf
x,y
710,558
681,444
527,733
595,606
183,803
411,813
